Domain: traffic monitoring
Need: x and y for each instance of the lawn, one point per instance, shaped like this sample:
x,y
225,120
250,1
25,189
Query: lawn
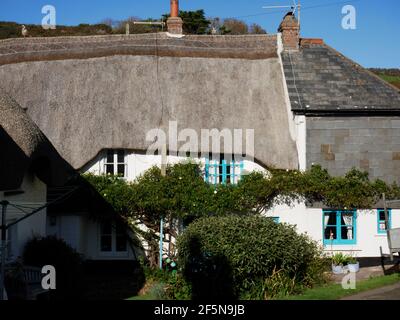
x,y
335,291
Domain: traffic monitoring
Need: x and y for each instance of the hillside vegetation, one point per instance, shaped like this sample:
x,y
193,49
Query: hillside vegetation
x,y
13,30
390,75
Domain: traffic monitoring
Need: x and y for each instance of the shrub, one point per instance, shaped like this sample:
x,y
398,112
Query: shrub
x,y
39,252
239,257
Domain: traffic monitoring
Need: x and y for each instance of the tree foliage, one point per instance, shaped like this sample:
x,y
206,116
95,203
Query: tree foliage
x,y
194,22
183,195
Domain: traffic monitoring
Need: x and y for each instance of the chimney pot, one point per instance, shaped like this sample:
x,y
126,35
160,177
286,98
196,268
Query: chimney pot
x,y
174,8
175,23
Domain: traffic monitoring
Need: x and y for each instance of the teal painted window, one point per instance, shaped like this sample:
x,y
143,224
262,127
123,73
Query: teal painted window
x,y
382,220
223,171
276,219
339,227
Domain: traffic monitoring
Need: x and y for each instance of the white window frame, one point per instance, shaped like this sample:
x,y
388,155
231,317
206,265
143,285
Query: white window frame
x,y
115,162
113,252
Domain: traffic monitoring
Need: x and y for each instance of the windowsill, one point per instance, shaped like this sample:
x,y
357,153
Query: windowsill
x,y
380,235
113,254
339,244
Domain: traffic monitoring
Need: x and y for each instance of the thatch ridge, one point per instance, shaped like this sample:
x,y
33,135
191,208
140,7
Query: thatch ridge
x,y
158,44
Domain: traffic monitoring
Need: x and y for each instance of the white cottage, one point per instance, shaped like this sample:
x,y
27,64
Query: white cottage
x,y
102,100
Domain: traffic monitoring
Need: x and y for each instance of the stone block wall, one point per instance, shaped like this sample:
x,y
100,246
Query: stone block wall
x,y
371,144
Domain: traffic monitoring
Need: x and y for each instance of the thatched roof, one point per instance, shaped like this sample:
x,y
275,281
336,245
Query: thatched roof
x,y
45,49
24,148
85,104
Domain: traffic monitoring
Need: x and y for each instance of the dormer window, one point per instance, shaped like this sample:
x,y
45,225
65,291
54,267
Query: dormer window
x,y
115,162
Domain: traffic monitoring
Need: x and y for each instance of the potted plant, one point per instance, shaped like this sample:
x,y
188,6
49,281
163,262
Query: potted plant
x,y
353,265
339,260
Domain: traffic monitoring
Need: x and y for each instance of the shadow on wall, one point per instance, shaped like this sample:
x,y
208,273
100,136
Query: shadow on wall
x,y
210,276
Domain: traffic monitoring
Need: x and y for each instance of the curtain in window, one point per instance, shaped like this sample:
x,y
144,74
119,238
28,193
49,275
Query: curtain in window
x,y
328,230
348,221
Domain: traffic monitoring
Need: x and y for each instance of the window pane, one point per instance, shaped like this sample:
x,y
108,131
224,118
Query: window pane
x,y
121,243
347,233
121,170
330,233
109,169
106,228
382,215
346,219
120,229
382,226
121,156
110,156
330,218
106,243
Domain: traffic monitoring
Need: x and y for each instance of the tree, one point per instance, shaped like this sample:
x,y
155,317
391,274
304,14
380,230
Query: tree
x,y
194,22
256,29
235,27
183,195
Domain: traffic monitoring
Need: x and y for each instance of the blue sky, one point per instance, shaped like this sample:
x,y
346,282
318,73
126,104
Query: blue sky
x,y
375,42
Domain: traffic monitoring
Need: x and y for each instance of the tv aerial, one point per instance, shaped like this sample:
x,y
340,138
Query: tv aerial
x,y
294,7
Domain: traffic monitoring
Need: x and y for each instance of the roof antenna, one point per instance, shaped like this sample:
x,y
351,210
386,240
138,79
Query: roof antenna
x,y
295,6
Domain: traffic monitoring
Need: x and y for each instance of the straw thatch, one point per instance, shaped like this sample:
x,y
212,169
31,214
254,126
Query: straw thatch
x,y
84,105
24,148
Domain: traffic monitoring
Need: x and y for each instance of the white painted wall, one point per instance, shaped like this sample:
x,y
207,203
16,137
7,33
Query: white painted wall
x,y
34,196
309,221
138,163
83,235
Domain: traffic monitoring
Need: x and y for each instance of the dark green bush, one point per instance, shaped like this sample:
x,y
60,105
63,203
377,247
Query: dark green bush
x,y
56,252
239,257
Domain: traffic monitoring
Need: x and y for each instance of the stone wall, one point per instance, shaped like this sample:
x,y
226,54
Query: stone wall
x,y
371,144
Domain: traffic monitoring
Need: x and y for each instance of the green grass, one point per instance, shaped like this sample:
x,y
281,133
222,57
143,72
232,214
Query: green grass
x,y
156,292
395,80
335,291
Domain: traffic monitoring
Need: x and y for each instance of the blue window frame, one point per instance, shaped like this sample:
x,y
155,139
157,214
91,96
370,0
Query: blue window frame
x,y
339,227
382,220
276,219
223,172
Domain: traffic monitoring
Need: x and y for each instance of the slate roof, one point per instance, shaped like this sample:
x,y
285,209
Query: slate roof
x,y
320,80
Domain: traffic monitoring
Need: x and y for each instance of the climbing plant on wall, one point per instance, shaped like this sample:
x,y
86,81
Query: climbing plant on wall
x,y
184,195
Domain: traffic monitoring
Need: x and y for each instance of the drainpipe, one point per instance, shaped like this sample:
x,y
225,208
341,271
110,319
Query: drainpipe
x,y
161,240
163,173
4,205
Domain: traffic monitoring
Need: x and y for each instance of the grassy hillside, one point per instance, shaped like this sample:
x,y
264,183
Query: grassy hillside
x,y
390,75
13,30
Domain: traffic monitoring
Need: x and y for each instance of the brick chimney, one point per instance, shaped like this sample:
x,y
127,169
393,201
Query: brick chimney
x,y
174,23
290,30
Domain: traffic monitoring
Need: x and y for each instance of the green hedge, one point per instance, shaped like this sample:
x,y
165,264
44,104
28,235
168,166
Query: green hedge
x,y
56,252
247,257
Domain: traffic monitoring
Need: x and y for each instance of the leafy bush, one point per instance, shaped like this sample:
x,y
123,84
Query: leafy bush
x,y
166,284
238,257
342,259
56,252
